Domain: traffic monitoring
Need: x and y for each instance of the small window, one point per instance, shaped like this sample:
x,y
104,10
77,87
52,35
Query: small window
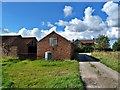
x,y
53,41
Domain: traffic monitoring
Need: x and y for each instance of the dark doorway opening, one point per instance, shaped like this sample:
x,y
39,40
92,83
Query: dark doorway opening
x,y
32,49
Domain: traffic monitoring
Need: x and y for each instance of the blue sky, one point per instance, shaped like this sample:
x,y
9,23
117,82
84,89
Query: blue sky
x,y
29,15
73,20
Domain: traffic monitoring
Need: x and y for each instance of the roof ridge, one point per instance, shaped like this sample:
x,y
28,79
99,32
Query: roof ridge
x,y
56,33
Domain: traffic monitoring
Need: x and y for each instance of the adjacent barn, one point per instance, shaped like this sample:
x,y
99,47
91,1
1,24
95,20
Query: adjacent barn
x,y
84,42
55,47
17,46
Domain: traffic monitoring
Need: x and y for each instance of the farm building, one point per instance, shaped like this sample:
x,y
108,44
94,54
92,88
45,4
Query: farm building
x,y
58,47
18,46
84,42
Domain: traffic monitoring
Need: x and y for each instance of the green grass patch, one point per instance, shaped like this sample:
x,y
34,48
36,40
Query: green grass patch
x,y
110,59
41,74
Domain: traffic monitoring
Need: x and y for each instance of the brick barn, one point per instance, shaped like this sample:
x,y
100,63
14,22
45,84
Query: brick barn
x,y
60,47
84,42
17,46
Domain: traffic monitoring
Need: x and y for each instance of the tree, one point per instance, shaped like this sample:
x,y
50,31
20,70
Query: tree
x,y
116,45
102,42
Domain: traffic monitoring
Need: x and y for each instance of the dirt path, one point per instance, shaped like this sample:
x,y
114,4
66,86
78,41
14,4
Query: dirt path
x,y
97,75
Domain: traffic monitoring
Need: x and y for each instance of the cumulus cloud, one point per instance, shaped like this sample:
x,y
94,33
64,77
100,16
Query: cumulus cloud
x,y
88,11
111,9
113,32
68,10
76,35
88,28
93,22
35,32
76,25
92,25
62,23
89,23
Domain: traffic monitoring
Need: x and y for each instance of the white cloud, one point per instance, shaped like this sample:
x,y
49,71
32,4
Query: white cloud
x,y
113,32
5,30
49,24
94,23
10,33
88,28
88,11
35,32
62,23
52,29
71,35
89,23
76,25
68,10
111,9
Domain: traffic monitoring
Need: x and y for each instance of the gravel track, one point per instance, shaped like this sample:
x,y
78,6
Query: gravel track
x,y
96,75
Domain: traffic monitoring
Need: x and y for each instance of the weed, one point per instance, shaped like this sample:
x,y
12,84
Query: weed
x,y
92,65
98,72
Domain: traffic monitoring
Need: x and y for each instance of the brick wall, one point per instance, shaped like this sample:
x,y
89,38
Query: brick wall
x,y
22,47
62,51
19,46
13,51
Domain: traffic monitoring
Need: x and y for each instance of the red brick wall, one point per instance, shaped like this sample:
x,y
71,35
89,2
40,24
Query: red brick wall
x,y
62,51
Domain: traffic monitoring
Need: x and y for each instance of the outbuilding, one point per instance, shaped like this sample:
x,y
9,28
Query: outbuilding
x,y
55,47
17,46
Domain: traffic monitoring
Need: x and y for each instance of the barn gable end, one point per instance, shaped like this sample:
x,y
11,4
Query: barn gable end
x,y
60,47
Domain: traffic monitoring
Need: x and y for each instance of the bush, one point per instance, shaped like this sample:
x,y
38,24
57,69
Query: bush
x,y
84,48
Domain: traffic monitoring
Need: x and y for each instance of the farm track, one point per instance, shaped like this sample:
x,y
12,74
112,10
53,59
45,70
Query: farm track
x,y
96,75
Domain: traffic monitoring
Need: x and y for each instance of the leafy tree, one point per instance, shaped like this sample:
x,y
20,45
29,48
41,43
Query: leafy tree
x,y
116,45
102,42
86,48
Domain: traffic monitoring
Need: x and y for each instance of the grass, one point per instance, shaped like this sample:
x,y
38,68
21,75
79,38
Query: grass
x,y
110,59
40,74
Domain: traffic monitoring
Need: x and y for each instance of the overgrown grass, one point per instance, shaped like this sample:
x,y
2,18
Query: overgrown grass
x,y
41,74
110,59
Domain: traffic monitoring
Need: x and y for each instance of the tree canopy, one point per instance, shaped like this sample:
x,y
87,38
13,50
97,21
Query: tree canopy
x,y
116,45
102,42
